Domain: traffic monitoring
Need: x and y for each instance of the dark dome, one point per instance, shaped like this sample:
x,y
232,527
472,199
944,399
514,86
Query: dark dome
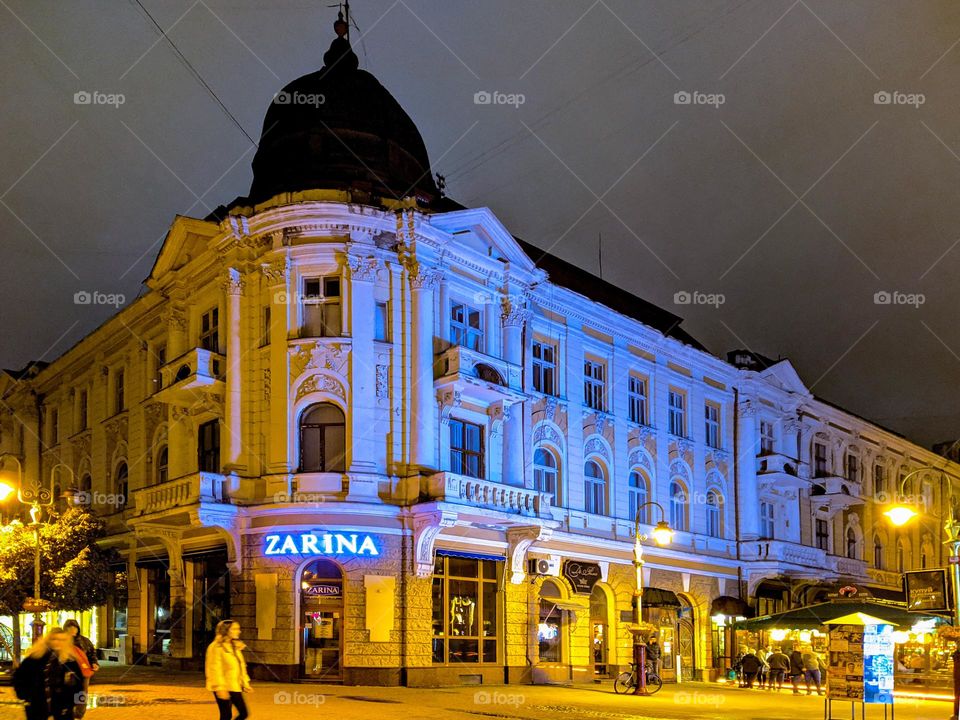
x,y
339,129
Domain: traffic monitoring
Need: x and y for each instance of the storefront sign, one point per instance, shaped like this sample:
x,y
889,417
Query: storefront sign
x,y
323,590
321,544
581,575
927,590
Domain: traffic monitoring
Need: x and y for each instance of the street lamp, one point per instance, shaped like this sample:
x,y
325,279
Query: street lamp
x,y
902,513
662,534
37,497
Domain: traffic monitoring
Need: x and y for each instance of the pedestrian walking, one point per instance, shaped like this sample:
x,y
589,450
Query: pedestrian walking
x,y
87,659
226,670
811,671
29,680
779,665
655,655
751,666
63,678
796,669
762,654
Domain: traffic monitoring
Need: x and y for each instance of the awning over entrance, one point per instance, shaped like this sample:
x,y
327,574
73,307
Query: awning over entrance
x,y
730,606
813,616
657,597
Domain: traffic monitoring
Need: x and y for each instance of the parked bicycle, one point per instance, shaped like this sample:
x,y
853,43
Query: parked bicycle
x,y
626,682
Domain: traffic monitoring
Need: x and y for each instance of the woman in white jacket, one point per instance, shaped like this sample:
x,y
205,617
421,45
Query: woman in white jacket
x,y
226,670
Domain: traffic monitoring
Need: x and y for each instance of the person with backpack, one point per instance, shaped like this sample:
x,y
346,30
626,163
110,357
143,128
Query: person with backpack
x,y
87,659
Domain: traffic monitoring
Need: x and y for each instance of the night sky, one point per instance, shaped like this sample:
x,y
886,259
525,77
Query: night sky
x,y
787,187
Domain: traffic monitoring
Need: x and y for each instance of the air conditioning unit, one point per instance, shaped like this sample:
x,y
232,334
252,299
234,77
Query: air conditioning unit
x,y
538,566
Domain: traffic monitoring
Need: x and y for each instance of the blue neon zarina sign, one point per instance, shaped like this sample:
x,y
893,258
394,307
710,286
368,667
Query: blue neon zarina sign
x,y
321,544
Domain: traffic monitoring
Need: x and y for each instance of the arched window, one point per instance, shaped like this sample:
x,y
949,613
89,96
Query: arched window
x,y
86,483
714,514
878,559
162,465
852,544
637,496
901,557
122,485
322,439
546,477
594,488
678,507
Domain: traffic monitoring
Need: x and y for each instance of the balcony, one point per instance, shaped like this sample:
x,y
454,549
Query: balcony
x,y
190,376
885,577
849,568
462,490
475,375
780,472
182,492
834,494
781,552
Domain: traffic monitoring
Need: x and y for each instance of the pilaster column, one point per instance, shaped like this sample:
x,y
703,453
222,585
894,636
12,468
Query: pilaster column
x,y
233,287
363,370
747,470
276,275
423,407
514,318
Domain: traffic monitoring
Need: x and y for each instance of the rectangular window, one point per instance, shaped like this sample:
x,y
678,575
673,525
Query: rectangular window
x,y
54,426
381,322
766,520
265,330
160,359
466,326
119,403
82,410
466,448
544,367
766,438
819,460
637,399
466,610
712,425
594,385
677,413
822,534
879,484
853,467
208,447
321,307
210,330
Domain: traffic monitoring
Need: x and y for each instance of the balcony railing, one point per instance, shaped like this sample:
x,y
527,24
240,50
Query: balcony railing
x,y
196,368
463,490
784,552
458,361
849,567
180,492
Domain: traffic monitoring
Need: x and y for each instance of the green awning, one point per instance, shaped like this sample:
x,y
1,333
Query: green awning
x,y
814,616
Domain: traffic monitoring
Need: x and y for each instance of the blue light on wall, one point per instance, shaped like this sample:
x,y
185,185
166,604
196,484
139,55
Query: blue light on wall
x,y
355,544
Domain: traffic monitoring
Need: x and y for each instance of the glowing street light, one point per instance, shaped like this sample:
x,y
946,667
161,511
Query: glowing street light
x,y
6,490
662,534
900,515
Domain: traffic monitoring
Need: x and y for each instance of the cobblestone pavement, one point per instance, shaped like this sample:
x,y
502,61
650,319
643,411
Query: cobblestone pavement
x,y
122,693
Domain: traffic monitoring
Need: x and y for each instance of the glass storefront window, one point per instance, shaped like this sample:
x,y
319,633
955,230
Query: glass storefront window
x,y
550,626
466,610
211,592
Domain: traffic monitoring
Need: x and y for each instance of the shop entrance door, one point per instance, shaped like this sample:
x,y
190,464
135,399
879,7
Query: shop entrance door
x,y
321,622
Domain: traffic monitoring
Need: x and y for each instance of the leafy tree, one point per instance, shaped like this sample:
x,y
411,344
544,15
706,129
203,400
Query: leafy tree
x,y
74,570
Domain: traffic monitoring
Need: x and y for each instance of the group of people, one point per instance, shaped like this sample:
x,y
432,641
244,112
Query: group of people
x,y
54,677
769,669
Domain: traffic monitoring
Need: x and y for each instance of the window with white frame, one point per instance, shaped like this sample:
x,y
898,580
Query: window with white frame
x,y
821,534
766,437
879,483
466,326
714,514
210,330
637,399
678,507
852,549
711,417
544,367
637,495
320,307
853,467
466,448
819,459
546,474
594,384
119,399
677,408
594,488
878,553
381,322
767,520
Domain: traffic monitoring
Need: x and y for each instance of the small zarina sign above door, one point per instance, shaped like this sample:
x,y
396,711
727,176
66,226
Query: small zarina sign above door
x,y
581,575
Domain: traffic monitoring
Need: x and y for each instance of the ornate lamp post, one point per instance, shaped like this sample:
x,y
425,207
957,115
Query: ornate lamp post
x,y
662,534
37,497
900,514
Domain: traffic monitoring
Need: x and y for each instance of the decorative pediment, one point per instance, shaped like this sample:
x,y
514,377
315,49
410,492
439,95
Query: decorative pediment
x,y
187,239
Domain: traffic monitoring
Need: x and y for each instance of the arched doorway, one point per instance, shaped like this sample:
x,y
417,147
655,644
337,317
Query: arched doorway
x,y
321,622
600,630
687,640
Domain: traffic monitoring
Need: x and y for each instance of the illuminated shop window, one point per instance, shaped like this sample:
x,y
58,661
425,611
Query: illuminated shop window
x,y
466,610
